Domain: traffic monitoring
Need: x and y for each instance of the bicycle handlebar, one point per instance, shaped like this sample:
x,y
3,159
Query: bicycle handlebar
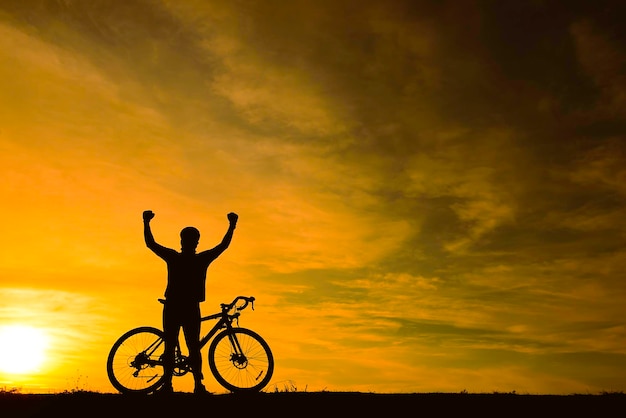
x,y
247,300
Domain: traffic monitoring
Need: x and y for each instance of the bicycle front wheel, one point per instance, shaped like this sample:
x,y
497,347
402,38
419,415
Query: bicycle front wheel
x,y
135,362
241,360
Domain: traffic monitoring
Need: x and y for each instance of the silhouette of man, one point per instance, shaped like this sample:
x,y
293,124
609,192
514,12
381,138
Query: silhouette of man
x,y
186,279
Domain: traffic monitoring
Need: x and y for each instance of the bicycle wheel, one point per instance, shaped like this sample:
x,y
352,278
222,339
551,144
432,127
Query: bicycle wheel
x,y
134,364
248,370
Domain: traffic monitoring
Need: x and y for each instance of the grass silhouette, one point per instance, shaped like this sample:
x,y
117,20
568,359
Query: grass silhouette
x,y
290,403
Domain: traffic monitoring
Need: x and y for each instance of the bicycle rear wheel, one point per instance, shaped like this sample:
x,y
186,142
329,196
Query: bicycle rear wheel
x,y
247,370
135,361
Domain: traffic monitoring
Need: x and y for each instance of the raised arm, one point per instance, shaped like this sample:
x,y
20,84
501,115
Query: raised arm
x,y
222,246
147,232
158,249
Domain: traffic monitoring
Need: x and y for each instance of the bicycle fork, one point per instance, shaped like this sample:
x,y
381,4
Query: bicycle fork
x,y
238,357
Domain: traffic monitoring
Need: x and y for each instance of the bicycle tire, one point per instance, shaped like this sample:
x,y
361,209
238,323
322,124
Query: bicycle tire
x,y
128,378
252,376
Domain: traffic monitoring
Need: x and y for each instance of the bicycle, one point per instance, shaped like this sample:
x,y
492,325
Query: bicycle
x,y
239,358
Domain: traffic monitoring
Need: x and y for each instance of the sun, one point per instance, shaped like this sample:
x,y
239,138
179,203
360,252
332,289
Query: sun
x,y
22,349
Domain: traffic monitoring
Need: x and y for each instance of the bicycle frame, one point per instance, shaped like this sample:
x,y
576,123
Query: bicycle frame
x,y
224,321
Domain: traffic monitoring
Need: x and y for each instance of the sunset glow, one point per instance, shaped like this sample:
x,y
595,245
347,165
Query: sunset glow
x,y
22,349
431,194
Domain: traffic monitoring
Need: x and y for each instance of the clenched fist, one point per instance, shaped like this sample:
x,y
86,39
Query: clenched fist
x,y
148,215
232,218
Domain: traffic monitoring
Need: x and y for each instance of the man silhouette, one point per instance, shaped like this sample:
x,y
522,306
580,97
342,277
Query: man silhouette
x,y
186,279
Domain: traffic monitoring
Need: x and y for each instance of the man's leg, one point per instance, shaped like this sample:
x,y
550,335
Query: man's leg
x,y
171,327
191,329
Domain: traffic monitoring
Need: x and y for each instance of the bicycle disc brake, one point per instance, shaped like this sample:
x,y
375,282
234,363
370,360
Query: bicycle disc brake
x,y
239,360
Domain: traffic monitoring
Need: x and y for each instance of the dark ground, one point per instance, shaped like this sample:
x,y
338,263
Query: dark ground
x,y
311,404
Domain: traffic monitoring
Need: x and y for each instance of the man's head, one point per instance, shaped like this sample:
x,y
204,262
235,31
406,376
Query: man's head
x,y
189,238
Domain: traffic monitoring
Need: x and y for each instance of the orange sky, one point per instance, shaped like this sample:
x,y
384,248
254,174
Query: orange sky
x,y
431,194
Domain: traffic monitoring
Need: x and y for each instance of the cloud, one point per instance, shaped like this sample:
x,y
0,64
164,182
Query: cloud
x,y
601,58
